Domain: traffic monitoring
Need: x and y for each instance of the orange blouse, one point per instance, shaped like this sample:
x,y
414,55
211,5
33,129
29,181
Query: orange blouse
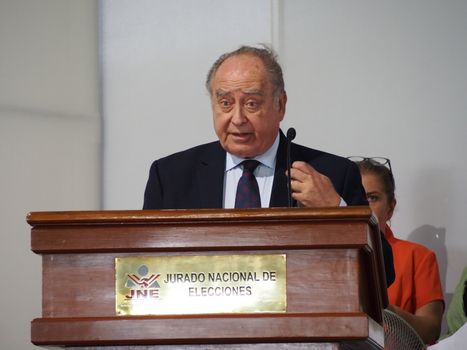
x,y
417,275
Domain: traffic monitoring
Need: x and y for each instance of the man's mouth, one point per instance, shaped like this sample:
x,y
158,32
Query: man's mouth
x,y
241,135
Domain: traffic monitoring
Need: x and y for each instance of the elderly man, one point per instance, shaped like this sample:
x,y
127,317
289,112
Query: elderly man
x,y
248,101
247,166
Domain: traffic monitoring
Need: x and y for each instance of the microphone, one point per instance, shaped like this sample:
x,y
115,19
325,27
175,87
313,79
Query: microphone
x,y
290,136
291,133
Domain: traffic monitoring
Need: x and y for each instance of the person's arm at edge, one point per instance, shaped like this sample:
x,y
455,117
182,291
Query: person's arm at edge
x,y
426,321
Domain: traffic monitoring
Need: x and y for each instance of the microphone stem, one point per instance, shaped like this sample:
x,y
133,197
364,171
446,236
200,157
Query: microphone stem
x,y
290,136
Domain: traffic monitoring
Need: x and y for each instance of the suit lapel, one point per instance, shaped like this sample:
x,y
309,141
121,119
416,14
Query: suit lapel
x,y
210,175
279,195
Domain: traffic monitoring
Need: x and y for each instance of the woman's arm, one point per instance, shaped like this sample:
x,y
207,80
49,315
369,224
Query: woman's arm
x,y
426,321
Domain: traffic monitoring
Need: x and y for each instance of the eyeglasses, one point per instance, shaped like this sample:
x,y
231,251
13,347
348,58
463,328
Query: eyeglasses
x,y
373,160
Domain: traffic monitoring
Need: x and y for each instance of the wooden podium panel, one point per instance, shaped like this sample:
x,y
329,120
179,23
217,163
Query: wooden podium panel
x,y
335,277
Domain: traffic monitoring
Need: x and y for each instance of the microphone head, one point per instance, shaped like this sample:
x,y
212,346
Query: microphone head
x,y
291,134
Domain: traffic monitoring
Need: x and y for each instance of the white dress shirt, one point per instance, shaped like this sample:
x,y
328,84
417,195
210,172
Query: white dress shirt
x,y
264,174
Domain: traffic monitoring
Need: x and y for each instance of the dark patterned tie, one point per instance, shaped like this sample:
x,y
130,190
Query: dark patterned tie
x,y
247,189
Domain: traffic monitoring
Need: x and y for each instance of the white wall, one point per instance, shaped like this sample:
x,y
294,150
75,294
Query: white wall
x,y
389,79
363,78
155,58
49,138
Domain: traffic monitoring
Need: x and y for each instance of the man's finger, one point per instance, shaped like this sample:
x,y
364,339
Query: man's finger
x,y
304,167
302,171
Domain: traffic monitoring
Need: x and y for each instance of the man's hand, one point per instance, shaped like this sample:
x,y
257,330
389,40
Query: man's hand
x,y
311,188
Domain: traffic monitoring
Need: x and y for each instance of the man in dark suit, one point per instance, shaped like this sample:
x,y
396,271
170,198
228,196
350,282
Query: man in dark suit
x,y
202,182
248,101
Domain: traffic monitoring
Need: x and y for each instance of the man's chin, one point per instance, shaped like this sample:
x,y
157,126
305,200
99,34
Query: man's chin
x,y
242,151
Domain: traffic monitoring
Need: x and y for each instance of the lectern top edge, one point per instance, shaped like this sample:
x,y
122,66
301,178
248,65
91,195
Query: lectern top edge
x,y
197,215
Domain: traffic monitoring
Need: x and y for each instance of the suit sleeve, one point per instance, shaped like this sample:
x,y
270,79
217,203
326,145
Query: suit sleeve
x,y
353,192
153,192
388,261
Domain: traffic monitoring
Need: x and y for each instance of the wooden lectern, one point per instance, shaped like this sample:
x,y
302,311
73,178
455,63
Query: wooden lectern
x,y
336,286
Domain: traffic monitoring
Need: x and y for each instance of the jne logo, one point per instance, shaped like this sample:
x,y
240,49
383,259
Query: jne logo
x,y
142,285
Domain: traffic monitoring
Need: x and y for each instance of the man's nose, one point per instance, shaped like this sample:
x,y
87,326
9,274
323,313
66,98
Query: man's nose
x,y
238,115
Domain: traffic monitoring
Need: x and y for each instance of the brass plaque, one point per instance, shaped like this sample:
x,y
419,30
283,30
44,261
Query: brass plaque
x,y
162,285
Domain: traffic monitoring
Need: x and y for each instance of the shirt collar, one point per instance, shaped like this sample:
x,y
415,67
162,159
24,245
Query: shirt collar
x,y
268,158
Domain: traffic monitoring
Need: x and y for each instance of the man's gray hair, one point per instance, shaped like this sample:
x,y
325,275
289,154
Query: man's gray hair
x,y
266,55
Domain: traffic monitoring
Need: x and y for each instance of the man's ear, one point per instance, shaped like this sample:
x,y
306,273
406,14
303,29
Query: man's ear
x,y
281,104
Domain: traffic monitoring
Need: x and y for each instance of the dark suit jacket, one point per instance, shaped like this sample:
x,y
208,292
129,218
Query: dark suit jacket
x,y
194,179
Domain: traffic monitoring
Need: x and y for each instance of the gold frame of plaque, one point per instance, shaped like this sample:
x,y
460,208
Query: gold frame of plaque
x,y
332,269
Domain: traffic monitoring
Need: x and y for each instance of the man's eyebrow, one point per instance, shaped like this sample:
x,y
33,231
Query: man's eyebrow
x,y
223,93
254,92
